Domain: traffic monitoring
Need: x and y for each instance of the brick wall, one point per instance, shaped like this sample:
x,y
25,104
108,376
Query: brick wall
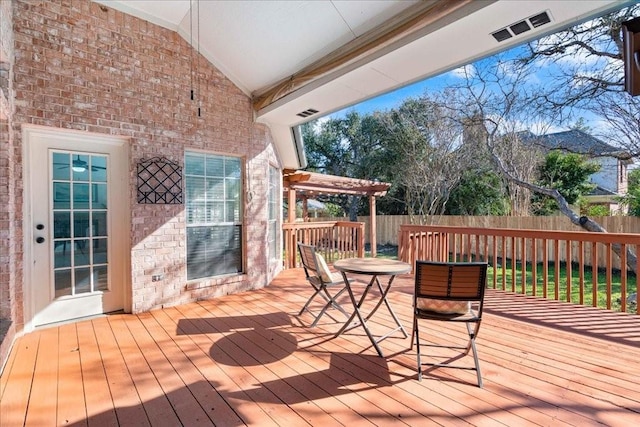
x,y
8,224
80,65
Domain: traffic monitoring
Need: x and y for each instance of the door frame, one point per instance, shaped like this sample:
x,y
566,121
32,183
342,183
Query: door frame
x,y
120,172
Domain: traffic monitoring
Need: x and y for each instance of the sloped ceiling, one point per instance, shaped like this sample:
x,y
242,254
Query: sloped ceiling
x,y
259,44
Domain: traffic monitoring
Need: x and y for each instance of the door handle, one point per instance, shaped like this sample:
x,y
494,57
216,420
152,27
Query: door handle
x,y
40,239
40,227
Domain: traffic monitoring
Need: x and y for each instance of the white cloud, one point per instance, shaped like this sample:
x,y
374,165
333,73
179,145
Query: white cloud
x,y
463,72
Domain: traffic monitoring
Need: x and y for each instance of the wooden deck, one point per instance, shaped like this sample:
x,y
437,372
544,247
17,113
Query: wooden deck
x,y
248,359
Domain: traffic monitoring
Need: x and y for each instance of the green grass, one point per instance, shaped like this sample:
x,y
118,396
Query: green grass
x,y
562,290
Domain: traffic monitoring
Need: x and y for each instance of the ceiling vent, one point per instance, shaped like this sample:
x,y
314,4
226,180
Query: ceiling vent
x,y
308,112
520,27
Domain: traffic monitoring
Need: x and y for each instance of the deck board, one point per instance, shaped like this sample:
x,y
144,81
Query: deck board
x,y
249,359
45,381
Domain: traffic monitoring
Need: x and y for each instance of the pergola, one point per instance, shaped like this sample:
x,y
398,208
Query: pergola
x,y
305,185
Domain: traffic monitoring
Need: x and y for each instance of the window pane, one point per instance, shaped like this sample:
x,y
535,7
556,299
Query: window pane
x,y
215,166
215,188
233,189
232,168
213,198
213,250
195,187
233,212
194,164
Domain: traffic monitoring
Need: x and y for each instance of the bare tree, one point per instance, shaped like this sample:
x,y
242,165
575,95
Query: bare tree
x,y
427,142
588,59
498,99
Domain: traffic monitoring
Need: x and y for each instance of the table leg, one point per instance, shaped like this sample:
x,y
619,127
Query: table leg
x,y
393,314
363,320
356,312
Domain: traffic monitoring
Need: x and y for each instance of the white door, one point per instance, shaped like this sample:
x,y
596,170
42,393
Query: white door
x,y
78,224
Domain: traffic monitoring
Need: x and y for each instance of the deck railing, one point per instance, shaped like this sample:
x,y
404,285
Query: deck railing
x,y
578,267
333,239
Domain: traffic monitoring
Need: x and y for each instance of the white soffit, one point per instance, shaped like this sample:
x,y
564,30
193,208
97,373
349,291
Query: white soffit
x,y
459,43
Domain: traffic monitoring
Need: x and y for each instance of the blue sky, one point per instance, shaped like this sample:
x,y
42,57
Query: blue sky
x,y
394,99
543,71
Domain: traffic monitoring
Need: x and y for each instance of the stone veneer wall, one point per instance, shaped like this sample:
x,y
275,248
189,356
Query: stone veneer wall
x,y
8,223
80,65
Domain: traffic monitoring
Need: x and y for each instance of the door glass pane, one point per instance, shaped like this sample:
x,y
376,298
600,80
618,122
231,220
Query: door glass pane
x,y
61,166
80,196
83,280
81,224
62,283
81,252
61,195
99,224
62,253
80,217
99,251
62,225
80,167
100,282
98,168
99,196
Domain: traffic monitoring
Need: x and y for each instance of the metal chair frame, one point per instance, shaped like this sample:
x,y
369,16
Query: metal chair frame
x,y
450,281
321,287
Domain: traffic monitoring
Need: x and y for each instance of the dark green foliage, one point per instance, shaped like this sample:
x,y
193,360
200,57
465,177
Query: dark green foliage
x,y
632,198
478,193
569,174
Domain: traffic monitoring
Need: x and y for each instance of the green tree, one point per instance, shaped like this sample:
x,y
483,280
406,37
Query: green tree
x,y
421,154
347,146
569,174
632,198
478,193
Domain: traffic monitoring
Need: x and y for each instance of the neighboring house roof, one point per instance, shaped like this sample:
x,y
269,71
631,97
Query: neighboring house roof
x,y
600,191
575,141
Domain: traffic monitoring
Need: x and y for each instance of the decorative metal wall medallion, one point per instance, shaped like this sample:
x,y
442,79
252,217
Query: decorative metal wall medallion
x,y
159,182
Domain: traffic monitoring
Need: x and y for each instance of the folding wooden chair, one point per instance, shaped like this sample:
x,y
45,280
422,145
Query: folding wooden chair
x,y
450,292
322,280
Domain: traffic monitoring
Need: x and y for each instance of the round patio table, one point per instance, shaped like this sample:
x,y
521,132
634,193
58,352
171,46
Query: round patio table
x,y
374,267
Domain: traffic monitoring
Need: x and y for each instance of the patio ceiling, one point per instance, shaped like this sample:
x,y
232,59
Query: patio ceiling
x,y
296,57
